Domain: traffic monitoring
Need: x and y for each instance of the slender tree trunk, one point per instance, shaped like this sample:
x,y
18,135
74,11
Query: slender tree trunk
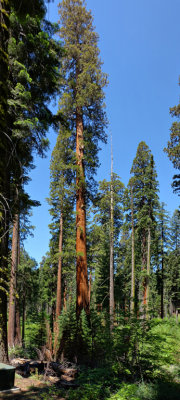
x,y
13,283
82,301
23,320
111,264
143,288
59,286
48,339
17,324
132,257
64,297
90,282
162,271
148,271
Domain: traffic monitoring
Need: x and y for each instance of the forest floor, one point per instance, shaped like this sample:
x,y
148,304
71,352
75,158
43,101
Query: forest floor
x,y
32,388
154,376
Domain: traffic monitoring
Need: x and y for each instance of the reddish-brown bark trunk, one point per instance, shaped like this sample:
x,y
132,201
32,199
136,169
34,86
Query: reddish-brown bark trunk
x,y
82,299
12,295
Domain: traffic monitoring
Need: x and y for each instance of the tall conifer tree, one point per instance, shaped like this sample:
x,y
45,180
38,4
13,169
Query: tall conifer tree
x,y
62,203
29,65
145,188
82,104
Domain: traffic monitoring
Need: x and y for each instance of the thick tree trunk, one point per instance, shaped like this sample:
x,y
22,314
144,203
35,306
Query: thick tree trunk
x,y
59,287
132,257
111,263
82,300
13,283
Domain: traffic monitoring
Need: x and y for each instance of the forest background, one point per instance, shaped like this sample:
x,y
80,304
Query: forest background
x,y
140,52
132,244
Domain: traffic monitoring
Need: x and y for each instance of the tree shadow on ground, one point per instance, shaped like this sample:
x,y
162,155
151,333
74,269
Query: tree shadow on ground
x,y
34,393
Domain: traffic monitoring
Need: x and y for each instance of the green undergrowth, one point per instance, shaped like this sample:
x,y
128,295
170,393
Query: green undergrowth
x,y
142,362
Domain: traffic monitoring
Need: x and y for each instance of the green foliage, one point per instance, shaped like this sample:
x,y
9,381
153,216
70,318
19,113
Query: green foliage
x,y
35,334
173,147
146,350
83,83
99,237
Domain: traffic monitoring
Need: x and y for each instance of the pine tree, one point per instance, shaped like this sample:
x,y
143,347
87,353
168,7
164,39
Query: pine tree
x,y
173,273
27,288
4,176
27,89
62,203
145,203
101,238
82,105
163,243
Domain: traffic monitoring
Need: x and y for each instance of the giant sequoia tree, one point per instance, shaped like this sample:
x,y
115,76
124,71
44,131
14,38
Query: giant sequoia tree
x,y
82,104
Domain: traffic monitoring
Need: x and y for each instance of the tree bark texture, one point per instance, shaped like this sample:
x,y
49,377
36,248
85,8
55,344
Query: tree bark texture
x,y
82,300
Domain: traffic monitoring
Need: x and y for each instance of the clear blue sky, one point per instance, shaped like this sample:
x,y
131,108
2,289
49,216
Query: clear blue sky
x,y
139,45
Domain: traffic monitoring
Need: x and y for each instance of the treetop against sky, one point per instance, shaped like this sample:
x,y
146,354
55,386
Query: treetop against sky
x,y
139,47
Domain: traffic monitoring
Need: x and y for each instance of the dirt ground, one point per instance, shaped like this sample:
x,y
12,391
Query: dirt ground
x,y
31,388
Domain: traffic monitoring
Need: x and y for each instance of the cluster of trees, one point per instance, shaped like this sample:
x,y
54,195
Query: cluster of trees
x,y
112,248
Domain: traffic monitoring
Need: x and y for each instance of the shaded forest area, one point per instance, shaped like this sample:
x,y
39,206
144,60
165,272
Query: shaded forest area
x,y
106,296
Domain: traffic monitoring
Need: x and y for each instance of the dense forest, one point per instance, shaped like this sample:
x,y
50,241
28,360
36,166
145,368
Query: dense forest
x,y
106,295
